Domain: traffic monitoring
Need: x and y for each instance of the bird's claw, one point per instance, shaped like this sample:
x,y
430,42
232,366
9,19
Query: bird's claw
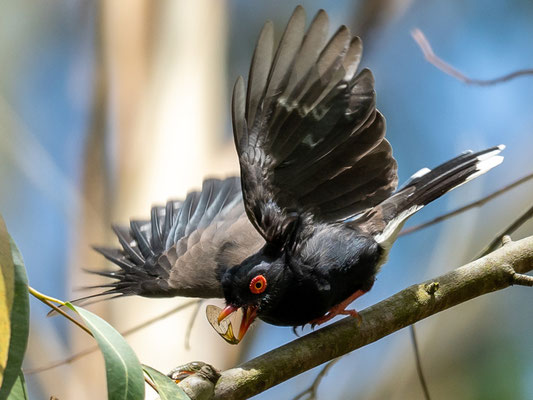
x,y
356,315
339,309
333,313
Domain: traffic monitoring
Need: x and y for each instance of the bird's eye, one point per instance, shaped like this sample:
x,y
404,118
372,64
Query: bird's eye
x,y
258,284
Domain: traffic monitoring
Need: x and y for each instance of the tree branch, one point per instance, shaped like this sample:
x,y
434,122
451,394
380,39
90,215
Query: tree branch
x,y
311,392
496,271
438,62
419,369
517,223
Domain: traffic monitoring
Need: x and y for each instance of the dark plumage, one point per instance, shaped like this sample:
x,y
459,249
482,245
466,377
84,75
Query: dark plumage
x,y
312,218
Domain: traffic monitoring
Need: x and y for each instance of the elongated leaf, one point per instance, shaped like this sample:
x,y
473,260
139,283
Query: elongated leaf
x,y
167,388
125,380
7,295
14,298
18,391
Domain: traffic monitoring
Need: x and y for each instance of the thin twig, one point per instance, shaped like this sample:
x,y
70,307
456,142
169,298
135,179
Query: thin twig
x,y
48,301
191,324
523,280
467,207
517,223
432,58
419,368
44,298
312,390
90,350
59,363
149,382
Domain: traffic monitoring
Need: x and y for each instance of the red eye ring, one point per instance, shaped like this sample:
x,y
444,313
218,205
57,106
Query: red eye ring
x,y
258,284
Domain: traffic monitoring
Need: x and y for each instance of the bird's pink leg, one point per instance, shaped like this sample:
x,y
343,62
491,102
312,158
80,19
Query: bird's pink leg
x,y
340,309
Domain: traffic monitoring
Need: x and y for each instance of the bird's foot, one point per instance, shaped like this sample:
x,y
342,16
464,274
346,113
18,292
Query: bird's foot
x,y
333,313
340,309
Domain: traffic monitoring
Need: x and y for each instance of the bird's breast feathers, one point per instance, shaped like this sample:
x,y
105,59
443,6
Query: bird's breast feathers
x,y
341,256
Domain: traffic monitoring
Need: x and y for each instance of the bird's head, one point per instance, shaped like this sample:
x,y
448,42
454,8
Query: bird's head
x,y
256,286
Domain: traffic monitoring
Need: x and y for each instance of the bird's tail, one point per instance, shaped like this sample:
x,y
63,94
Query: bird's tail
x,y
386,219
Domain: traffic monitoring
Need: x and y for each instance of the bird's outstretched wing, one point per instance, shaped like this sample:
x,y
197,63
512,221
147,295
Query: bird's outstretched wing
x,y
307,132
184,247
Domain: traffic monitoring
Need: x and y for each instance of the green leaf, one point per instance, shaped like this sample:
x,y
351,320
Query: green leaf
x,y
14,300
125,379
167,388
18,391
7,295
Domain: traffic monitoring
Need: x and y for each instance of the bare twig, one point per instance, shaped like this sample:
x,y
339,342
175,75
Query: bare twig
x,y
44,298
191,324
496,242
92,349
311,391
493,272
419,368
477,203
48,301
523,280
151,384
506,239
432,58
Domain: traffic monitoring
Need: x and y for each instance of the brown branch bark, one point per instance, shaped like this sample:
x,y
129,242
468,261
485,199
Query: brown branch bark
x,y
496,271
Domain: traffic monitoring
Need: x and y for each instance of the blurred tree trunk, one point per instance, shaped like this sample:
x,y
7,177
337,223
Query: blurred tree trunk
x,y
158,128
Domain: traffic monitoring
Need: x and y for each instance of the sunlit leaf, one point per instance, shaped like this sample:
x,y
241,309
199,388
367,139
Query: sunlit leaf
x,y
18,391
14,300
167,388
225,327
7,294
125,380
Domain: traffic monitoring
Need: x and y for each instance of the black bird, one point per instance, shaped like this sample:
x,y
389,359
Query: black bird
x,y
305,229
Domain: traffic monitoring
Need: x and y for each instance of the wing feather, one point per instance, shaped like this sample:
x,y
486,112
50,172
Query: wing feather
x,y
259,71
203,235
315,141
